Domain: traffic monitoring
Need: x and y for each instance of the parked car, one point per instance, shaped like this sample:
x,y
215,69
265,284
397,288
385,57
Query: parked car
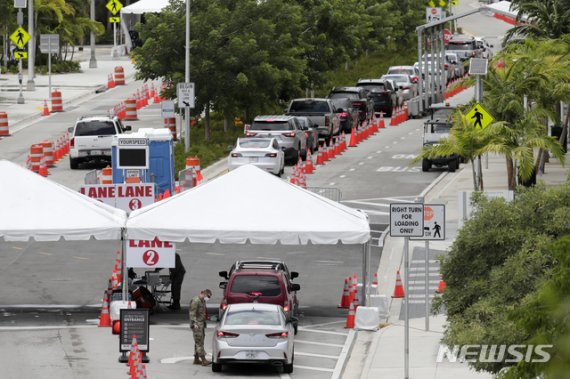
x,y
464,46
92,138
386,89
311,131
263,282
254,333
406,70
264,153
404,82
286,130
321,112
437,127
347,114
357,97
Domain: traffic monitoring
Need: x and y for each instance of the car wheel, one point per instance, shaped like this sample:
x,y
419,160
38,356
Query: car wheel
x,y
452,165
216,367
73,163
288,367
426,165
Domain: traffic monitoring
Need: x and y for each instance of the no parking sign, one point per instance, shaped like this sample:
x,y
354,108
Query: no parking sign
x,y
150,254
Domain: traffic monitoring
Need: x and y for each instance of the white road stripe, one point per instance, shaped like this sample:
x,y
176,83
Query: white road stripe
x,y
352,169
336,262
324,324
401,200
366,203
423,269
343,176
314,368
332,183
215,254
374,212
42,253
386,147
318,343
316,355
17,248
360,163
323,331
81,258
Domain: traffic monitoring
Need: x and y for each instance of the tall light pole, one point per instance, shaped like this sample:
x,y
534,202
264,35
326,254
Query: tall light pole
x,y
31,85
187,80
93,60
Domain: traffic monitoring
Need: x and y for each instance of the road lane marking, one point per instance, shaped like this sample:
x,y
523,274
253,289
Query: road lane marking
x,y
343,176
314,368
215,254
360,163
318,343
338,368
325,323
332,183
400,199
316,355
386,147
352,169
375,212
44,253
335,262
17,248
82,258
395,142
379,151
322,331
370,157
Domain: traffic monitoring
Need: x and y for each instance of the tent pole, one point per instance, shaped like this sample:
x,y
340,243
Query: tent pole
x,y
124,273
365,268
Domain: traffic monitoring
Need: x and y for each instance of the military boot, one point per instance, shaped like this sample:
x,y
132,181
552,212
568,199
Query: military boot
x,y
197,360
205,362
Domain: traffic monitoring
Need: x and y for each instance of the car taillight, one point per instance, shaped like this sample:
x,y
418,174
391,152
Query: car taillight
x,y
224,305
327,120
278,335
236,155
414,79
72,142
250,134
291,134
222,334
271,155
286,307
344,114
446,65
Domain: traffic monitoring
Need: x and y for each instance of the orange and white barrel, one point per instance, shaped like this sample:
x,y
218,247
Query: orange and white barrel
x,y
37,154
119,76
48,152
194,162
4,129
106,176
170,123
56,101
131,110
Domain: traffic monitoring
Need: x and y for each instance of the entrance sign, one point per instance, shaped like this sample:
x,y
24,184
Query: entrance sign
x,y
134,323
481,118
127,197
406,220
434,223
150,254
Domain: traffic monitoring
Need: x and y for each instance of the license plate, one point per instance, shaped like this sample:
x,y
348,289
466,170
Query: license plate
x,y
95,152
251,354
253,159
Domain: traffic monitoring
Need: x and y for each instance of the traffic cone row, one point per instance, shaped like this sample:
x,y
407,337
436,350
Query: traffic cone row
x,y
142,97
59,149
299,178
137,370
399,115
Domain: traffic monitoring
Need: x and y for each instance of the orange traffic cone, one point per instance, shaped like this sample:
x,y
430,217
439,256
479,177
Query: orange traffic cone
x,y
325,153
46,110
105,318
177,189
375,281
394,116
441,285
309,167
351,316
353,141
110,81
381,124
166,194
399,288
43,169
320,160
344,300
293,177
344,147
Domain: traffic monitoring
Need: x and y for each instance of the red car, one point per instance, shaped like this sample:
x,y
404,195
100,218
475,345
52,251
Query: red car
x,y
267,282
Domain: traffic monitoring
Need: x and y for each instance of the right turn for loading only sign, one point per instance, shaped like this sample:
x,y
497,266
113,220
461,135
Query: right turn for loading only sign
x,y
420,221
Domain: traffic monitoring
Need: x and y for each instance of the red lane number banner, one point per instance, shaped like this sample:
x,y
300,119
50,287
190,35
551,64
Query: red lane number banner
x,y
150,254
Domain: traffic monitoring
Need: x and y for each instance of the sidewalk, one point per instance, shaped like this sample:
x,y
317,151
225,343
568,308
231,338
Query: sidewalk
x,y
75,87
381,354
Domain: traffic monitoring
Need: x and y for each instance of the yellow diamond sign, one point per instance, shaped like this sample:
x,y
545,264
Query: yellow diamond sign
x,y
20,37
114,6
479,116
455,2
20,54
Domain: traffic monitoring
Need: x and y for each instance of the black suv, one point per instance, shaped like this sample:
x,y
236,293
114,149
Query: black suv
x,y
384,94
358,99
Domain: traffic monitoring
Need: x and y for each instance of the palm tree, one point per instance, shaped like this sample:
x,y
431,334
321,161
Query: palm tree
x,y
546,19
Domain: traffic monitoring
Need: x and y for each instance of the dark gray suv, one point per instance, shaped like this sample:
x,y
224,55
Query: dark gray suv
x,y
286,130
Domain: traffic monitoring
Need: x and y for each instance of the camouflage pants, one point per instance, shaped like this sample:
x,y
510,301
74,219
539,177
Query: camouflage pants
x,y
199,334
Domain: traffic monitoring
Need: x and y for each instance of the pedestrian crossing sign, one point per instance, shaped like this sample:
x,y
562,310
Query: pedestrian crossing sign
x,y
114,6
479,116
20,37
20,54
114,20
434,223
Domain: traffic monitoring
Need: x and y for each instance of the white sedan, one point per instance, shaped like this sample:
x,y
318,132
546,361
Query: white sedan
x,y
261,152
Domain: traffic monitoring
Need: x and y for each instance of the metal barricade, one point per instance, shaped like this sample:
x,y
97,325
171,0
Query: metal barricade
x,y
186,179
330,193
91,177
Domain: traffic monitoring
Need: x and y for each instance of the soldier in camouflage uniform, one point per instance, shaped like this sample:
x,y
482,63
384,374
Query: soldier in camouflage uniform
x,y
198,325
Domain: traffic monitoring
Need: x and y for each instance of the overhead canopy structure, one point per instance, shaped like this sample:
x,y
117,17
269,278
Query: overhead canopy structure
x,y
131,15
249,204
503,11
38,208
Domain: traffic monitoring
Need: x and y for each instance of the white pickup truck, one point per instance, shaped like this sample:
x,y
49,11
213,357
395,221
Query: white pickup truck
x,y
91,139
321,112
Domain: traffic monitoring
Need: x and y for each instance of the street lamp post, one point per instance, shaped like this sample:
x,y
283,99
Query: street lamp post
x,y
187,80
31,85
93,60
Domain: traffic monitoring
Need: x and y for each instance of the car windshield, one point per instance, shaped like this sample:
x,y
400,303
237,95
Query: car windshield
x,y
404,71
460,46
254,143
344,95
341,102
270,125
95,128
380,98
371,86
397,78
266,285
310,106
252,317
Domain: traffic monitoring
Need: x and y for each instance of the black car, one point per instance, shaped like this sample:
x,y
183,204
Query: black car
x,y
382,101
347,114
383,93
358,100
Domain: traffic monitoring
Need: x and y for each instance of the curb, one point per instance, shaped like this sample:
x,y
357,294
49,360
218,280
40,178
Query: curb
x,y
344,354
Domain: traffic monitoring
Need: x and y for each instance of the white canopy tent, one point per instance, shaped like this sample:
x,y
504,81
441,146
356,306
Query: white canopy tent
x,y
38,208
131,14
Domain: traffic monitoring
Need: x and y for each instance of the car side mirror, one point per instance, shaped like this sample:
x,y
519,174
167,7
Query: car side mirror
x,y
70,129
128,127
223,274
223,285
295,287
294,274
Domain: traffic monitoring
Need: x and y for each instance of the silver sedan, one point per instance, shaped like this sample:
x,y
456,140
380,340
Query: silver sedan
x,y
253,333
261,152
